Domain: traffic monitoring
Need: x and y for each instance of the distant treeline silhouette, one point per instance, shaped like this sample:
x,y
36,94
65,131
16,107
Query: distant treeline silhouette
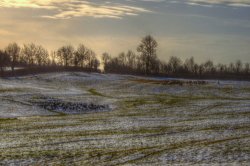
x,y
146,62
36,57
32,57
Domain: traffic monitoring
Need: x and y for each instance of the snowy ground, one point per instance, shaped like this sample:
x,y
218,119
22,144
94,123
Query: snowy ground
x,y
95,119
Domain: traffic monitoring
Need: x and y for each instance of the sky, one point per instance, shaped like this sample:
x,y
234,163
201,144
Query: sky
x,y
217,30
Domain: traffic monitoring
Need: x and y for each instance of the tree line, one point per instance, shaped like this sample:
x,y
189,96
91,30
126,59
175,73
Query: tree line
x,y
143,62
31,55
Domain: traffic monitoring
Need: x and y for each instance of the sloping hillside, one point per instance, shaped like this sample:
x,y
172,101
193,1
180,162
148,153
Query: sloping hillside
x,y
96,119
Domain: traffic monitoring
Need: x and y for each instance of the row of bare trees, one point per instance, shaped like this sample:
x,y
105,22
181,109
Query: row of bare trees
x,y
189,67
145,61
36,55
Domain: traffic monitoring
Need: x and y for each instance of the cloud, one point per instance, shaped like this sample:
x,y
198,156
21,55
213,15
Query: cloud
x,y
206,3
28,3
209,3
66,9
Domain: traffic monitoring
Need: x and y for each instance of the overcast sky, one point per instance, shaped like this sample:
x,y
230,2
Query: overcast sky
x,y
218,30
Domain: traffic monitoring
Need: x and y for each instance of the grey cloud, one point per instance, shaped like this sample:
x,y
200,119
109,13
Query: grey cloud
x,y
210,3
65,9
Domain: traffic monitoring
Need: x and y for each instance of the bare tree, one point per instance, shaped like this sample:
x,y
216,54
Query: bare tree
x,y
201,69
106,58
41,55
81,55
221,68
131,60
209,66
96,64
247,68
147,50
189,65
66,53
122,60
91,59
53,58
13,50
231,68
4,60
29,52
174,64
238,66
139,64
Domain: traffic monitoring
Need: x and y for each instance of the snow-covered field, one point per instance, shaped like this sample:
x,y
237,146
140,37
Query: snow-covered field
x,y
106,119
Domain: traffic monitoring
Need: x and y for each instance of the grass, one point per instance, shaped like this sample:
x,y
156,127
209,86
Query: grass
x,y
170,82
163,100
143,129
7,120
227,89
45,149
6,90
95,93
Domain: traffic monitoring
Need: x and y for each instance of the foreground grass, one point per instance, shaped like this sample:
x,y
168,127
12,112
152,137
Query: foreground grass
x,y
195,126
104,139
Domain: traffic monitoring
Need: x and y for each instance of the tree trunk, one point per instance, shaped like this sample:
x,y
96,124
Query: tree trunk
x,y
2,72
12,68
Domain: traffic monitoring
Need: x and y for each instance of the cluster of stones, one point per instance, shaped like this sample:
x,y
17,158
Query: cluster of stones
x,y
69,107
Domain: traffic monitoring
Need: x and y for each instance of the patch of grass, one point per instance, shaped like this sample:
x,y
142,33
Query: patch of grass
x,y
136,131
181,145
160,100
246,89
182,97
170,101
114,154
7,120
95,93
5,90
228,114
206,97
226,127
227,89
58,113
171,82
49,154
136,102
